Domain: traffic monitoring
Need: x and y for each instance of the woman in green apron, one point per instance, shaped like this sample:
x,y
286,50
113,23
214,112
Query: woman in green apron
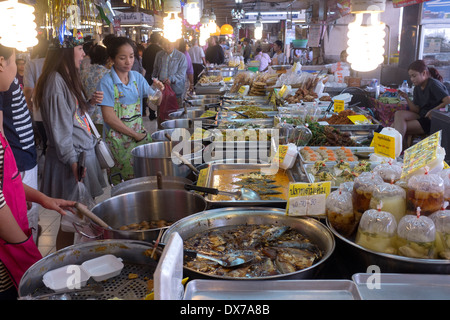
x,y
123,93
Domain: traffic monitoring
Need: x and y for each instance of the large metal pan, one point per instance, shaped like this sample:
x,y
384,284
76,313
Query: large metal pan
x,y
149,183
361,258
151,158
191,113
188,123
318,233
135,207
179,134
132,253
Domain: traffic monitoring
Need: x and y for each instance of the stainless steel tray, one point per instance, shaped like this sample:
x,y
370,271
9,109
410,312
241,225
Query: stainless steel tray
x,y
271,290
399,286
295,174
307,169
357,127
267,122
362,153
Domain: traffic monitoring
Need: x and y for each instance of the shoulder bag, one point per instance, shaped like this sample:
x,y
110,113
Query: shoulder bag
x,y
104,155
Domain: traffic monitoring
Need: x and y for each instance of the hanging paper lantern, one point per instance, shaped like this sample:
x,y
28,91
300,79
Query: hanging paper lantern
x,y
226,29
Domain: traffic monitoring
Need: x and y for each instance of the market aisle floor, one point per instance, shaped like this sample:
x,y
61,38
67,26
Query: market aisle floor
x,y
49,221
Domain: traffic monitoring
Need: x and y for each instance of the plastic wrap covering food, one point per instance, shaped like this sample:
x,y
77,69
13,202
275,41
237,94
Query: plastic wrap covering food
x,y
392,199
389,171
339,211
377,231
346,186
363,187
425,191
416,237
441,221
445,175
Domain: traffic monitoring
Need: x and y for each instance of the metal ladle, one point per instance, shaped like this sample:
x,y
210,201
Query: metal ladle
x,y
242,194
228,260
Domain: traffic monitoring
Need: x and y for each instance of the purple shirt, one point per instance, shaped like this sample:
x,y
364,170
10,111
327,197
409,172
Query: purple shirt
x,y
190,68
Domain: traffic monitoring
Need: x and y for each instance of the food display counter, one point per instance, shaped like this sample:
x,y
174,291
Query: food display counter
x,y
303,257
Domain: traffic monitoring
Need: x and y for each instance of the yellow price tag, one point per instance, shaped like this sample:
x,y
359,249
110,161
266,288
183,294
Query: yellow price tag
x,y
203,177
338,106
281,154
383,145
227,79
242,90
446,166
359,119
307,199
282,91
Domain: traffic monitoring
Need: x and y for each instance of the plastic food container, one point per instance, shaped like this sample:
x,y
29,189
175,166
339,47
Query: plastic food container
x,y
76,276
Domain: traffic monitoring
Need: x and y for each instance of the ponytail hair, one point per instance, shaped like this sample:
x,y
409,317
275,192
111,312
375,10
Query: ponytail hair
x,y
421,66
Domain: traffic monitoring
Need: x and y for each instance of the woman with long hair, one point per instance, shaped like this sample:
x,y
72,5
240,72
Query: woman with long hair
x,y
62,100
17,248
124,90
429,94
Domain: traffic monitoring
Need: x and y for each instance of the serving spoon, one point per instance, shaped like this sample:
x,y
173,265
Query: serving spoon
x,y
241,194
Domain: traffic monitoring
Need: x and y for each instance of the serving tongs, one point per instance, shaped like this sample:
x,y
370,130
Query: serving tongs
x,y
228,260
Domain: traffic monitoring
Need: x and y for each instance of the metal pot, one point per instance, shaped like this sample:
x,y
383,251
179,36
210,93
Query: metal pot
x,y
188,123
149,183
130,251
191,113
311,228
170,205
151,158
162,135
361,258
203,102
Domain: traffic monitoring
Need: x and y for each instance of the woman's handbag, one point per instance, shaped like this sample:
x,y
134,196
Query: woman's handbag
x,y
104,155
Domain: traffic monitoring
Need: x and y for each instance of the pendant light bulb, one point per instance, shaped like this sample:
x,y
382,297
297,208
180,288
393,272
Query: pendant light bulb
x,y
366,42
17,26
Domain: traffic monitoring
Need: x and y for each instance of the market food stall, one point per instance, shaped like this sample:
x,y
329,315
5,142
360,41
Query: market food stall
x,y
317,165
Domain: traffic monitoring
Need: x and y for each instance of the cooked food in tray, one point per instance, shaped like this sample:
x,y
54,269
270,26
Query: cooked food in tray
x,y
277,249
269,187
146,225
309,154
253,115
342,117
338,173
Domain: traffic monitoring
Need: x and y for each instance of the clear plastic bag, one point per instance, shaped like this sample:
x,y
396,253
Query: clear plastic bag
x,y
377,231
80,194
425,191
441,221
390,171
445,175
363,187
391,197
416,237
339,210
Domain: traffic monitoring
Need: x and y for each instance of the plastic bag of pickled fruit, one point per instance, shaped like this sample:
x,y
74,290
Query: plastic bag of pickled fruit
x,y
392,198
363,187
339,211
389,171
377,231
425,191
441,221
445,175
416,235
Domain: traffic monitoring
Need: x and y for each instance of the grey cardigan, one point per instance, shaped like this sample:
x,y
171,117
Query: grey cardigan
x,y
64,130
176,70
